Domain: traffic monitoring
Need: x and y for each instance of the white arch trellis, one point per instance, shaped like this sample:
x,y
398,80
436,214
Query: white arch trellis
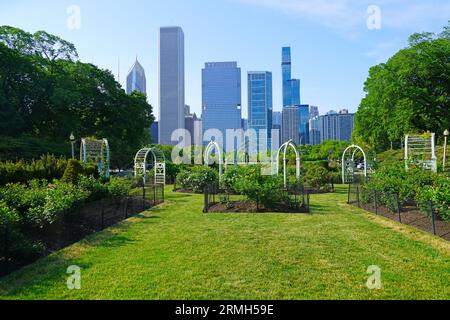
x,y
96,151
213,145
283,149
159,164
421,150
349,165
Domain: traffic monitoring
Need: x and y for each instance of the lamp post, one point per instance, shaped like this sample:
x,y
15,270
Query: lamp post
x,y
446,134
72,141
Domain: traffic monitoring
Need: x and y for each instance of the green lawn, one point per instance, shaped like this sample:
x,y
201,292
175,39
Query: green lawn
x,y
176,252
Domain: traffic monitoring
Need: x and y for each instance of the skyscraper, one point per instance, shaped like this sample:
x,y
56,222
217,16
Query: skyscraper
x,y
260,105
277,124
221,96
136,80
315,131
193,124
291,123
337,126
291,87
314,112
171,83
304,116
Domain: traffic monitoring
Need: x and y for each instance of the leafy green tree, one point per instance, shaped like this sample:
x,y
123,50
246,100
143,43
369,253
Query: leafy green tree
x,y
409,93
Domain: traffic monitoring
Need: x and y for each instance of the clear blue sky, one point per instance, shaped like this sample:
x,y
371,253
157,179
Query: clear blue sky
x,y
332,48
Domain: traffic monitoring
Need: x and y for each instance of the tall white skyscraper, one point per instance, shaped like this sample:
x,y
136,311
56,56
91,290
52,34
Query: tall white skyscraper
x,y
171,83
136,80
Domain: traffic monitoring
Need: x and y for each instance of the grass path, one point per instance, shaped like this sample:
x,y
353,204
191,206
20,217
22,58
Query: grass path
x,y
176,252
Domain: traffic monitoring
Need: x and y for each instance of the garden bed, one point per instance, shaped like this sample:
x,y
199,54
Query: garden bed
x,y
249,207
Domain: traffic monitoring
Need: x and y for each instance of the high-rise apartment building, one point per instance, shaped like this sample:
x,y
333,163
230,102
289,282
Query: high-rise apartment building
x,y
221,97
171,83
260,105
315,131
136,80
313,112
337,126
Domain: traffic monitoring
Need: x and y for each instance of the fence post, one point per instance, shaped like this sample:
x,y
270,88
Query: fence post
x,y
143,197
433,219
206,201
154,194
357,197
6,250
349,187
103,214
163,192
399,210
375,199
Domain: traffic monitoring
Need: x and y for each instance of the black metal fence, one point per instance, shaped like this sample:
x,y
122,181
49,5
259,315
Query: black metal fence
x,y
21,245
407,211
297,200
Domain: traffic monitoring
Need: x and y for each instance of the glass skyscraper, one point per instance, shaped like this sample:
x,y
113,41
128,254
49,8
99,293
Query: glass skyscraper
x,y
291,87
136,80
260,105
304,117
171,83
221,96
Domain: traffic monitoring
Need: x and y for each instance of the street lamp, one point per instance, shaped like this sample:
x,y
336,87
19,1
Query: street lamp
x,y
446,134
72,141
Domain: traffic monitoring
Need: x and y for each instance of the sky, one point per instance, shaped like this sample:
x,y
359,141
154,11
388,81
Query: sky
x,y
334,42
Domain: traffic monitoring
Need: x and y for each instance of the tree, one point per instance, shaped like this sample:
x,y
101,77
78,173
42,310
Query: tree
x,y
409,93
46,93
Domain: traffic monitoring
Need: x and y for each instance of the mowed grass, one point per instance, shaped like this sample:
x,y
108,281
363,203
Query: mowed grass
x,y
177,252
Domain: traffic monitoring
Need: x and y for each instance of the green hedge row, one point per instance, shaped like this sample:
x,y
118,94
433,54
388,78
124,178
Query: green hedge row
x,y
46,168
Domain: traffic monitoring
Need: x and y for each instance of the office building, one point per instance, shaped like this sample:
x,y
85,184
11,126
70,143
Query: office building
x,y
154,132
260,106
314,112
304,117
291,87
221,97
171,83
290,124
136,80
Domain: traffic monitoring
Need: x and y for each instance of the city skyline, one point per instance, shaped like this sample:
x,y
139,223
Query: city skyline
x,y
326,43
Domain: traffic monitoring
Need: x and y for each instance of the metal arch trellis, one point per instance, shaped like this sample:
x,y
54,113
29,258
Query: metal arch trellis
x,y
284,149
349,165
141,164
96,151
213,145
421,150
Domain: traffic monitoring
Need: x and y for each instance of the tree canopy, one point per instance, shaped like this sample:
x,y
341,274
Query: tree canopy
x,y
408,94
45,92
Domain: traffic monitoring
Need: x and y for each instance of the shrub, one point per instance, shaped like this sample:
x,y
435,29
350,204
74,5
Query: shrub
x,y
317,177
47,167
119,187
197,179
438,194
73,170
261,189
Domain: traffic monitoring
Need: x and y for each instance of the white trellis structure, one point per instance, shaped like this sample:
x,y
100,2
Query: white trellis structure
x,y
96,151
349,164
142,164
214,146
284,149
421,150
